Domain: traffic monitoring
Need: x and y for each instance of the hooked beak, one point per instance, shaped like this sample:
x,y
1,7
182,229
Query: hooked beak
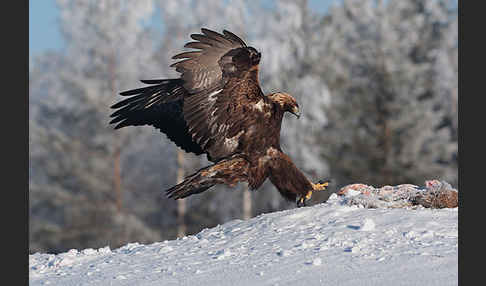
x,y
295,111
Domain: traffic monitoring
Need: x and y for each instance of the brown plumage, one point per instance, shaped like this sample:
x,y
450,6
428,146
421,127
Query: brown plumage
x,y
217,108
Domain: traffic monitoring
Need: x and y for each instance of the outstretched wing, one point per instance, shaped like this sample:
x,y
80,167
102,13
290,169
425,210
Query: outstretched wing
x,y
159,105
221,77
201,70
206,109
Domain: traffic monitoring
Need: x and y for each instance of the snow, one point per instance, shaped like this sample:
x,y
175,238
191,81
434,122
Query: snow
x,y
330,243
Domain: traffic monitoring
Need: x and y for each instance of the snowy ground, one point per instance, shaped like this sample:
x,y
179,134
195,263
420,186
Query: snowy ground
x,y
326,244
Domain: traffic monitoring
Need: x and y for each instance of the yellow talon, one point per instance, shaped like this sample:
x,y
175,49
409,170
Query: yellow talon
x,y
303,199
321,186
308,195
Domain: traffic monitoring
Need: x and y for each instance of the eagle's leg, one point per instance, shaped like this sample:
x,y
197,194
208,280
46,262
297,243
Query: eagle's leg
x,y
227,171
320,186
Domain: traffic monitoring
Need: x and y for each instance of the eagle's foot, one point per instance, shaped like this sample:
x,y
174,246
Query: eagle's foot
x,y
301,202
320,186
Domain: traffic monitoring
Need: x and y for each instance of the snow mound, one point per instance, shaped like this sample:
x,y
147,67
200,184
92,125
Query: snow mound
x,y
331,243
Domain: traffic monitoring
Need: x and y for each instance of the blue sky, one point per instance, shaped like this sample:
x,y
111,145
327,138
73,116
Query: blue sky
x,y
44,33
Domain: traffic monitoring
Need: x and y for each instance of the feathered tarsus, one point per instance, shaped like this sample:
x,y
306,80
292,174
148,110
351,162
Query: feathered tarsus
x,y
217,107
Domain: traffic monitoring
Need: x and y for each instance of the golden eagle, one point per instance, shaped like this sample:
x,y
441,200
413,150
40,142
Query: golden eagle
x,y
217,107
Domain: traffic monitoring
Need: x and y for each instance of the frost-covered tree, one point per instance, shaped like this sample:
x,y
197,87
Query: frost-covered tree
x,y
106,37
77,160
385,63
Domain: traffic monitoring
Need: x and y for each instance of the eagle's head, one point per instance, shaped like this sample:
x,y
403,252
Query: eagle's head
x,y
286,102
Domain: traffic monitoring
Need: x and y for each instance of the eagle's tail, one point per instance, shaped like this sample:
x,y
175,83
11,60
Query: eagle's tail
x,y
227,171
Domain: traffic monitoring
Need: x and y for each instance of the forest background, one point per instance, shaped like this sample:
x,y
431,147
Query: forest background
x,y
377,82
